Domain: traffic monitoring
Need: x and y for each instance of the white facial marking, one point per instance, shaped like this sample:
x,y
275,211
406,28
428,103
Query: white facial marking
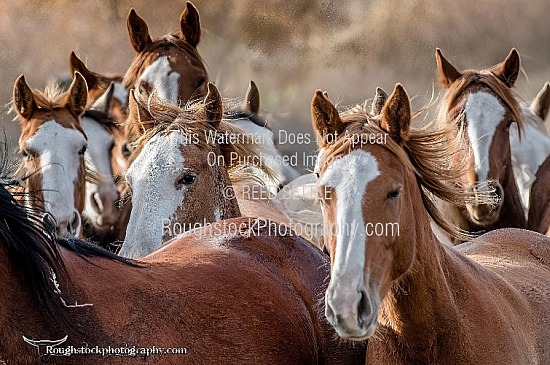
x,y
121,94
155,197
58,149
483,114
529,152
349,176
163,79
100,143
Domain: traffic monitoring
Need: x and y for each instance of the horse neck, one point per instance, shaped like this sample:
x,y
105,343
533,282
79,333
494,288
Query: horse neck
x,y
226,203
511,213
419,306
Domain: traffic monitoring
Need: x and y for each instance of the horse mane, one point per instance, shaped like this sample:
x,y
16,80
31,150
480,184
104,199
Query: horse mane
x,y
51,97
487,79
427,153
32,246
191,120
172,39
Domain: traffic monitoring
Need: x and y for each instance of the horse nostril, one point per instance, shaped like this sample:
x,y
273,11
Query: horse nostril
x,y
363,309
49,222
73,227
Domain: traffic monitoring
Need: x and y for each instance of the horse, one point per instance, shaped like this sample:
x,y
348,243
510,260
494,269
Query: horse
x,y
170,65
539,203
196,301
415,299
190,168
530,151
486,107
53,145
103,218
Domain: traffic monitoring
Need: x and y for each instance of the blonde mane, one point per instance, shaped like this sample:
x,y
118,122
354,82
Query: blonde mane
x,y
427,153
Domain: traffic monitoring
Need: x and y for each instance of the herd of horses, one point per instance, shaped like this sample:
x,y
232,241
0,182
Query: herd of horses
x,y
89,251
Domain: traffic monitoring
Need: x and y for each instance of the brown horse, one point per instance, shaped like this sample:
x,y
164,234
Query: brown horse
x,y
484,104
190,168
418,301
247,295
53,144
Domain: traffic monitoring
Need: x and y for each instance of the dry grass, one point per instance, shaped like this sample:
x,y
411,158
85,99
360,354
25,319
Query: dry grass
x,y
290,48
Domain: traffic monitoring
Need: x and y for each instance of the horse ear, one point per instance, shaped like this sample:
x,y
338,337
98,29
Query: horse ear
x,y
396,115
76,65
103,103
508,70
446,72
325,118
190,25
23,98
138,31
378,101
138,114
541,103
213,105
252,99
77,95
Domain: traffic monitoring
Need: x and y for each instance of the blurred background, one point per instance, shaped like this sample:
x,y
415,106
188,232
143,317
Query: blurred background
x,y
288,47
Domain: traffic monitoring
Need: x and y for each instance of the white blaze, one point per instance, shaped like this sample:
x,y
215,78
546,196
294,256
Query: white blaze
x,y
58,149
155,198
483,114
349,176
163,79
100,143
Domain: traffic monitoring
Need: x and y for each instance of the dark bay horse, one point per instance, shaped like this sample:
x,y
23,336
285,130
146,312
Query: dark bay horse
x,y
392,282
245,295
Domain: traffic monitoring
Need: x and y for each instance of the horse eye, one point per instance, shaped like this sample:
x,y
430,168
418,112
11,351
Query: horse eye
x,y
187,179
127,149
27,155
393,194
83,150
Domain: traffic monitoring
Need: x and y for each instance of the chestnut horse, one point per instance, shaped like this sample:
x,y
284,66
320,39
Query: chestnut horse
x,y
483,103
184,169
415,299
245,296
53,144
